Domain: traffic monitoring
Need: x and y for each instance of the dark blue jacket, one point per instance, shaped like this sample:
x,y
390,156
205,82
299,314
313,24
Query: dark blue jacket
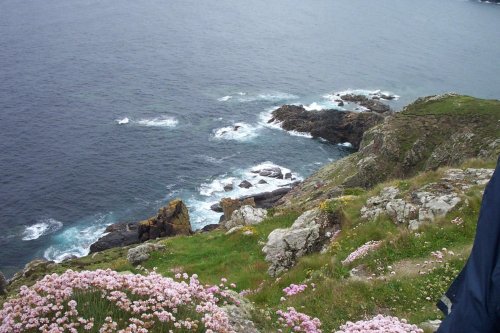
x,y
472,304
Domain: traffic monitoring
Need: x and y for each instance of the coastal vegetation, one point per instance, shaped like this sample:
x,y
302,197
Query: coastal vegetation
x,y
380,267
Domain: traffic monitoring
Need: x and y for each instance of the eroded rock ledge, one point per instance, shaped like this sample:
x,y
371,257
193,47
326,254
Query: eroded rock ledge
x,y
332,125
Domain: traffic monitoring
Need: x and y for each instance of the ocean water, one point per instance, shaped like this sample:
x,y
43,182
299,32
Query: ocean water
x,y
109,109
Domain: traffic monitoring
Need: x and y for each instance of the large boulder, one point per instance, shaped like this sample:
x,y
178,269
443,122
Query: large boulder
x,y
309,233
245,215
116,235
229,205
239,313
171,220
332,125
138,254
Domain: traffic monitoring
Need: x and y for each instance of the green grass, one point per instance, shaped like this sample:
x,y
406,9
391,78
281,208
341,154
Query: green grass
x,y
214,255
337,297
455,105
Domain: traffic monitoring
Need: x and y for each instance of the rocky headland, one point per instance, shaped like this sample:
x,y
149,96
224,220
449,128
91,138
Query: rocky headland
x,y
331,125
429,133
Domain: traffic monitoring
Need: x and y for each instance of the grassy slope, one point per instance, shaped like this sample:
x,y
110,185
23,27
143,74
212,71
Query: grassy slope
x,y
337,297
391,281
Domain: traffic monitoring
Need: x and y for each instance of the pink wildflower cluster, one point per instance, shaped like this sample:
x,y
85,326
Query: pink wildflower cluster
x,y
294,289
361,251
298,322
380,324
49,307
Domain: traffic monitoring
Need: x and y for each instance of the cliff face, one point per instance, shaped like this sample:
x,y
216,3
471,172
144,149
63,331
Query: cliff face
x,y
431,132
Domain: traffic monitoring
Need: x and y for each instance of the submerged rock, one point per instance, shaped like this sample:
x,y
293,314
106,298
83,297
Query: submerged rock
x,y
171,220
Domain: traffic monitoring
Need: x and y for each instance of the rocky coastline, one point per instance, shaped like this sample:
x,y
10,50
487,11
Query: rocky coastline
x,y
334,126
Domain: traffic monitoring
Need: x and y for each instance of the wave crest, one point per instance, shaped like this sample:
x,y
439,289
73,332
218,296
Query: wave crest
x,y
44,227
237,132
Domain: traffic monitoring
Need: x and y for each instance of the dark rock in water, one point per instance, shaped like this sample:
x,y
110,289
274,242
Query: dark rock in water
x,y
262,181
3,284
288,175
354,98
273,172
237,127
228,187
210,227
340,103
268,199
245,184
331,125
389,97
118,234
171,220
374,104
216,207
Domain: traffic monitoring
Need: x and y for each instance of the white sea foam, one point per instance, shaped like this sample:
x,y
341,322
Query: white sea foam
x,y
76,241
214,160
244,97
43,227
266,116
163,121
225,98
368,93
301,134
313,107
237,132
345,144
213,190
123,121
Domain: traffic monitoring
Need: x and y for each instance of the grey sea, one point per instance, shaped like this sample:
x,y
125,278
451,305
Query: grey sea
x,y
109,109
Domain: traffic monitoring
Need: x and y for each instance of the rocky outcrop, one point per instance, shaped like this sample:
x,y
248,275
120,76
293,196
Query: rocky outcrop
x,y
372,104
229,205
239,313
171,220
245,215
33,270
116,235
432,132
308,234
261,200
138,254
332,125
427,203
